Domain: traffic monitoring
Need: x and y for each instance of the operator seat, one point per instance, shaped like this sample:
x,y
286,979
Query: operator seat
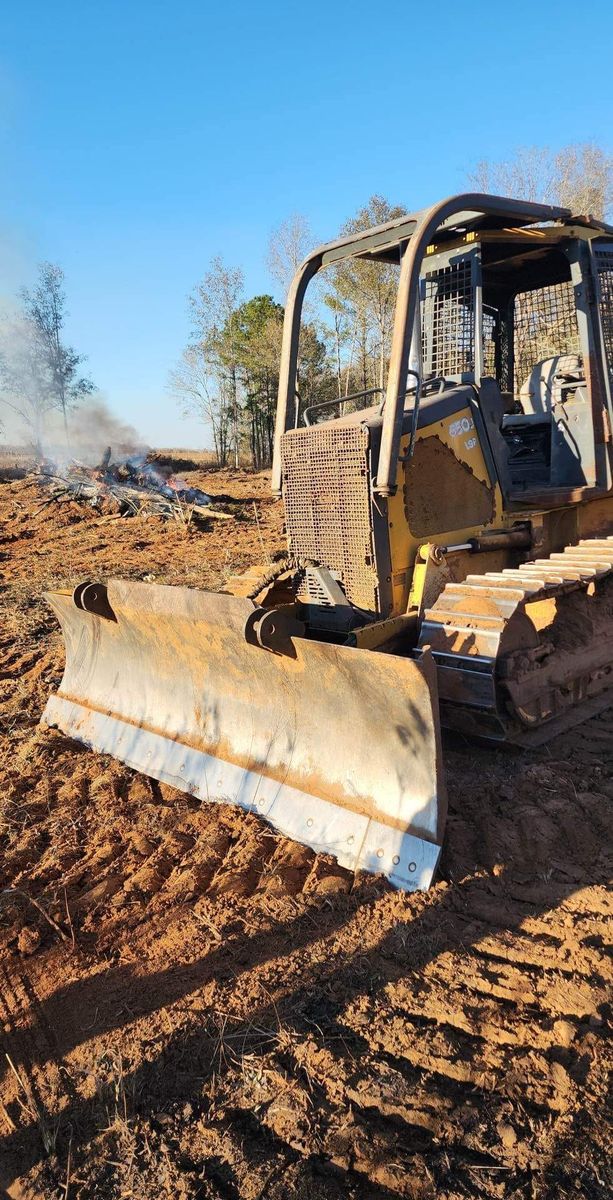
x,y
547,382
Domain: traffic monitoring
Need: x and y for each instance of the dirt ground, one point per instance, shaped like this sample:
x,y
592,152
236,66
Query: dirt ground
x,y
194,1007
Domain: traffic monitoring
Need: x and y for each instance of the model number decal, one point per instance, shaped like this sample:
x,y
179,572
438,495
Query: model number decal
x,y
463,425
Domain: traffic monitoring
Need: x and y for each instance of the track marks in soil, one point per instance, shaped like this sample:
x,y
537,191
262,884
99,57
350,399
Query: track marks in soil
x,y
242,1020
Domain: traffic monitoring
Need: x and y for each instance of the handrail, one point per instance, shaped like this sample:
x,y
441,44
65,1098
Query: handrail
x,y
419,386
376,391
340,400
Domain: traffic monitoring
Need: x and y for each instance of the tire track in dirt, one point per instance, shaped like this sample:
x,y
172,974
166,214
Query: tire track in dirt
x,y
32,1083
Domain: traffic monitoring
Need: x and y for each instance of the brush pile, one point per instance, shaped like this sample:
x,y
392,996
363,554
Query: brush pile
x,y
133,486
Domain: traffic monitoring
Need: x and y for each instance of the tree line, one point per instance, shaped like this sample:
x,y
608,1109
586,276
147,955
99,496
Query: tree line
x,y
228,373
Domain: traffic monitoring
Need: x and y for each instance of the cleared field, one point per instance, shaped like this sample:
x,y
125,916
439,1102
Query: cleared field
x,y
192,1006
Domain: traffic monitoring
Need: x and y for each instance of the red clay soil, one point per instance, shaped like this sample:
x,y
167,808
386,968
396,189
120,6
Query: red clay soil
x,y
192,1006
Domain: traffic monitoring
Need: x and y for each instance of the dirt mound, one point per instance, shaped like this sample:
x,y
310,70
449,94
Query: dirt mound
x,y
192,1006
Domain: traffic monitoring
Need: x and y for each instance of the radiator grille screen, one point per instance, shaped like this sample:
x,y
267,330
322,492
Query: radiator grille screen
x,y
327,505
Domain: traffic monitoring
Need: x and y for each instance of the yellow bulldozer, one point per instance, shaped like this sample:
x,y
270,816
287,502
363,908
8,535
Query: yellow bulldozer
x,y
450,555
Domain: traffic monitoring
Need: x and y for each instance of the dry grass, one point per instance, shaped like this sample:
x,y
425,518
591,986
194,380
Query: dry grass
x,y
30,1107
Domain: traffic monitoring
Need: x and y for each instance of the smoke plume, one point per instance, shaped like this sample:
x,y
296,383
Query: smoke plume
x,y
29,419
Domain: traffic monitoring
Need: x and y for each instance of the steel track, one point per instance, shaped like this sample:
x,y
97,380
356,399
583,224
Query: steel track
x,y
525,653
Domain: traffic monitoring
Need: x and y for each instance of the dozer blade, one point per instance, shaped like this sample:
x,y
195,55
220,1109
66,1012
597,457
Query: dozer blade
x,y
335,747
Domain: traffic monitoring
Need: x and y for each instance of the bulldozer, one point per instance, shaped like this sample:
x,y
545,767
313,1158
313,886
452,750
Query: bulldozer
x,y
449,555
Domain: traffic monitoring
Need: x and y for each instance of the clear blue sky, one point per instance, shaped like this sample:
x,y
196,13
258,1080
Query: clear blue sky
x,y
140,138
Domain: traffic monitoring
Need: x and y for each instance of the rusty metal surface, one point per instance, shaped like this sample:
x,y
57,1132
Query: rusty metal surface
x,y
337,747
440,490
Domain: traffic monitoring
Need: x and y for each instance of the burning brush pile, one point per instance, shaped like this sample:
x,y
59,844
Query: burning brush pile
x,y
135,485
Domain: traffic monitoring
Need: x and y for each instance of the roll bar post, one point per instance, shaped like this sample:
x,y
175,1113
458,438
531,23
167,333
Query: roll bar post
x,y
288,368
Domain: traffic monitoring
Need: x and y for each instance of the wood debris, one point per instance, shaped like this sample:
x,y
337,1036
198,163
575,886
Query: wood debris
x,y
134,486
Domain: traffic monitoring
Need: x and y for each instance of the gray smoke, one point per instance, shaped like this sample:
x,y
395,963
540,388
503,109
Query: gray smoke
x,y
91,428
29,420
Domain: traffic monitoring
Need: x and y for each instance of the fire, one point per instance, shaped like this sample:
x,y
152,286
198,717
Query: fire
x,y
131,485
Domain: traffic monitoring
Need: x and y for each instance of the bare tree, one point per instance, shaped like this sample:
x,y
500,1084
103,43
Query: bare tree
x,y
368,291
207,376
339,332
195,384
584,176
45,310
26,386
578,176
289,244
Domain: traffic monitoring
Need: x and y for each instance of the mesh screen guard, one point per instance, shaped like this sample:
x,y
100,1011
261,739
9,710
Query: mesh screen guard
x,y
326,492
545,323
448,320
604,263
